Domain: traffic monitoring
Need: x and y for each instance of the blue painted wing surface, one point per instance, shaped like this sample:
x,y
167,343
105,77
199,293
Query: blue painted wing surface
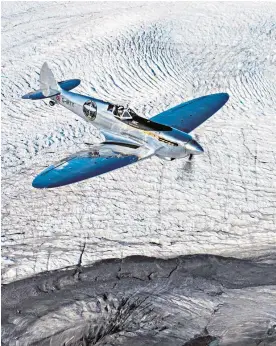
x,y
97,160
36,95
189,115
65,85
69,84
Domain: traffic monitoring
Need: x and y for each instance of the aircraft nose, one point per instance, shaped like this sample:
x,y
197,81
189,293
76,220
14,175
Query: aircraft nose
x,y
194,147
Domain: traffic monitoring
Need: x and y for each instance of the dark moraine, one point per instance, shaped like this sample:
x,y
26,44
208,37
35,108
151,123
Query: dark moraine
x,y
194,300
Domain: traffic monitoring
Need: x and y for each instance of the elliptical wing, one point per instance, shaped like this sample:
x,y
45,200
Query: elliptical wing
x,y
189,115
99,159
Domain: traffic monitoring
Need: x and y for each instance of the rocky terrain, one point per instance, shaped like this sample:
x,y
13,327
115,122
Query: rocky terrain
x,y
194,300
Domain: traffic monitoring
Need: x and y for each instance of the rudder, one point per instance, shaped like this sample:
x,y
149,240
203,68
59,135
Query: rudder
x,y
49,86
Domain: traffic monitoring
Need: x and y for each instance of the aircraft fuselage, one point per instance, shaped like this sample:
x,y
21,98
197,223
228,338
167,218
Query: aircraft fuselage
x,y
167,142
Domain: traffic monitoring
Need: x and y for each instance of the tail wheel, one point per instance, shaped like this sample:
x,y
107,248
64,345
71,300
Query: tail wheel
x,y
52,103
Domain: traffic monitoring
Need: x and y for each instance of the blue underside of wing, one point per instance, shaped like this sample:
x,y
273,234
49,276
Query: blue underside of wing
x,y
35,95
69,84
189,115
79,168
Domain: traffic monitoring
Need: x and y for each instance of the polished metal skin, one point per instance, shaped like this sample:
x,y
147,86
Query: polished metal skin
x,y
110,125
128,136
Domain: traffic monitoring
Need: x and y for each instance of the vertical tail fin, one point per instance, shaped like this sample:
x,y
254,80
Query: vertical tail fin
x,y
48,84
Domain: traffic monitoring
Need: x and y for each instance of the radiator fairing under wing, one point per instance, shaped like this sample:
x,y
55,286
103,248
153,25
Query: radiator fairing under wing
x,y
189,115
99,159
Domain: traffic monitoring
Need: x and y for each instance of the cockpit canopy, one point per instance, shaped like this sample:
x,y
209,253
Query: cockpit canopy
x,y
121,112
128,115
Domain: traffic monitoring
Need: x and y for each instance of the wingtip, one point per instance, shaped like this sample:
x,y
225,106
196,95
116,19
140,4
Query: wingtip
x,y
226,96
222,98
37,183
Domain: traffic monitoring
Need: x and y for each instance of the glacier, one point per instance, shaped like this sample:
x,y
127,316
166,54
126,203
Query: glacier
x,y
151,56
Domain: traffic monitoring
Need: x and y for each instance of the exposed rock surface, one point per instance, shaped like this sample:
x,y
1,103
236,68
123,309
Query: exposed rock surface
x,y
195,300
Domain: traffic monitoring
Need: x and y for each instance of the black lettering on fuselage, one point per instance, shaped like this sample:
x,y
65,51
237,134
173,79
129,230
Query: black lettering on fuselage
x,y
68,102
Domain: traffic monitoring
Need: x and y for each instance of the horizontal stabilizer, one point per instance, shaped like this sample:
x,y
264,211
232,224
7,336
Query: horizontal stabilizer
x,y
37,95
69,84
65,85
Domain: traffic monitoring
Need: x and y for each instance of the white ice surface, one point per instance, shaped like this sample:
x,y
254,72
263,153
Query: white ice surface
x,y
152,56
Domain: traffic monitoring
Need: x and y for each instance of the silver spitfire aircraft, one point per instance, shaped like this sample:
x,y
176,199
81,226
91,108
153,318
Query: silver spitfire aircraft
x,y
128,137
